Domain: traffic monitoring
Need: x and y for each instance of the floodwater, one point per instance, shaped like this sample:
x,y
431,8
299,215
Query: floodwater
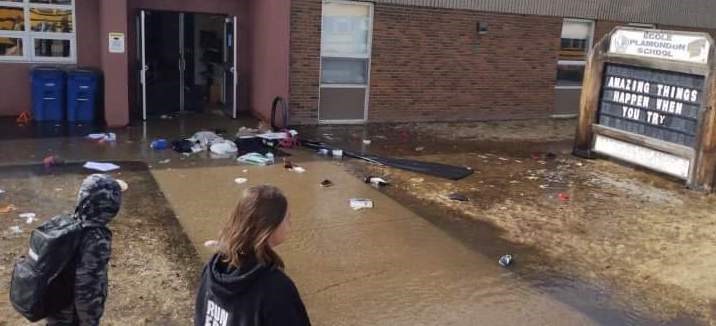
x,y
400,263
387,265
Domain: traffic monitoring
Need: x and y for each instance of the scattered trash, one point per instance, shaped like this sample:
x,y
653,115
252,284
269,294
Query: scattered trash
x,y
505,260
297,169
51,161
323,151
99,166
211,244
543,186
419,149
103,137
2,191
360,203
186,147
326,183
224,148
563,197
58,189
159,144
273,135
205,139
15,229
165,161
514,182
376,181
166,117
367,141
256,159
8,208
241,180
245,171
518,161
28,217
123,185
337,153
416,180
458,197
243,131
580,164
502,159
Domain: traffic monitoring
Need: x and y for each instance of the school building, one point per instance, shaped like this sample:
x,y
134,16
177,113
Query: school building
x,y
335,61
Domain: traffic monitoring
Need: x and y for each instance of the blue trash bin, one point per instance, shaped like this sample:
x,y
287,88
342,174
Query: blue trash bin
x,y
48,94
81,95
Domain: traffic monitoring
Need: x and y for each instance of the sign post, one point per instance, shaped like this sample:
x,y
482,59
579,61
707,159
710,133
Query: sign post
x,y
647,100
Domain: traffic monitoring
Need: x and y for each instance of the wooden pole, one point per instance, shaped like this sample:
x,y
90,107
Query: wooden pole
x,y
705,170
589,102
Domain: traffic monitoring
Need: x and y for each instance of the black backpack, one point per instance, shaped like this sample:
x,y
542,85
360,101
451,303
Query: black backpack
x,y
41,282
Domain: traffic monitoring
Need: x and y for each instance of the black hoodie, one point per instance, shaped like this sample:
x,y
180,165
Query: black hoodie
x,y
251,295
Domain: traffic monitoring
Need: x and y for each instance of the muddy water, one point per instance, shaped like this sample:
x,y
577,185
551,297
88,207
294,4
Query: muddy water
x,y
386,265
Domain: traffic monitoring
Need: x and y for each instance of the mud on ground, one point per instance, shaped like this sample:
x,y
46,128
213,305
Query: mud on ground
x,y
159,266
637,233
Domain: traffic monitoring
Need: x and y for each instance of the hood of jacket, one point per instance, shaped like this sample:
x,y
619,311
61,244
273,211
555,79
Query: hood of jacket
x,y
226,281
98,200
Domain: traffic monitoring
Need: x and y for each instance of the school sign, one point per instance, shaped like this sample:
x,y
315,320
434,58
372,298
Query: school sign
x,y
647,100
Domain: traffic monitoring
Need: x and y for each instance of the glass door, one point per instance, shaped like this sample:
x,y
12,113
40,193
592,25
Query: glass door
x,y
230,75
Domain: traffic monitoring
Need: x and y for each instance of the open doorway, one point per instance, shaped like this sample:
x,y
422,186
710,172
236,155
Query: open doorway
x,y
187,63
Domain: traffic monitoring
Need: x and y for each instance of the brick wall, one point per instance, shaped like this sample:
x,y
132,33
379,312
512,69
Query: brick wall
x,y
427,64
431,65
305,56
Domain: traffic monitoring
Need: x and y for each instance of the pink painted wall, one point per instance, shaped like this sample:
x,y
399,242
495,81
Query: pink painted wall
x,y
269,42
15,77
116,90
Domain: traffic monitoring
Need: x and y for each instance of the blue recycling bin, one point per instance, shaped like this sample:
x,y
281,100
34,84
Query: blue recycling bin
x,y
48,94
81,95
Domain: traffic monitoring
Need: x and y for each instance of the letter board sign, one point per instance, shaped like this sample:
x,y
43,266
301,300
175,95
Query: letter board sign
x,y
647,99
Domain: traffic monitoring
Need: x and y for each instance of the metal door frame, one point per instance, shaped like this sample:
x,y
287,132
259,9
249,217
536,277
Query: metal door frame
x,y
144,67
234,63
182,62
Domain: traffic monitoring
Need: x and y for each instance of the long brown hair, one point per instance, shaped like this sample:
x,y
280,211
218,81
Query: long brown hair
x,y
246,235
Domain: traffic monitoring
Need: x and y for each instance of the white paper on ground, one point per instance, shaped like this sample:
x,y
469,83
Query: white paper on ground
x,y
273,135
102,167
360,203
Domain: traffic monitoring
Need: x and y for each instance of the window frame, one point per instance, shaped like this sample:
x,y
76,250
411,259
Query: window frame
x,y
28,36
590,44
367,56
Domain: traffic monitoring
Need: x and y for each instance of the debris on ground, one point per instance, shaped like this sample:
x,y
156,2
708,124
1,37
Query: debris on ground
x,y
166,161
159,144
243,131
416,180
241,180
103,137
376,181
28,217
256,159
367,141
123,185
244,171
2,191
101,167
9,208
166,117
185,146
205,139
51,161
456,196
326,183
337,153
224,148
15,229
211,244
58,189
419,149
360,203
563,197
505,260
297,169
543,186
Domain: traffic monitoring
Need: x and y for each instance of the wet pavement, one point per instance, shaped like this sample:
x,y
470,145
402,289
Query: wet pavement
x,y
408,261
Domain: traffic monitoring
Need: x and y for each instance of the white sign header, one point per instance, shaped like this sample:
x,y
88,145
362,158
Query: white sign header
x,y
668,45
